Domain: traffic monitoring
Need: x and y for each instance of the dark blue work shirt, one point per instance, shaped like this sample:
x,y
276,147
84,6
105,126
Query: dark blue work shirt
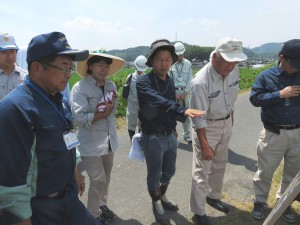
x,y
158,108
265,94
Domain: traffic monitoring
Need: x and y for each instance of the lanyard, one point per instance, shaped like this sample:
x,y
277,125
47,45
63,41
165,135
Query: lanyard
x,y
31,84
179,73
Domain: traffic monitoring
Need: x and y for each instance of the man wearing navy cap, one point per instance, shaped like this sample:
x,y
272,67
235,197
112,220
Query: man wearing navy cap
x,y
37,143
276,90
10,74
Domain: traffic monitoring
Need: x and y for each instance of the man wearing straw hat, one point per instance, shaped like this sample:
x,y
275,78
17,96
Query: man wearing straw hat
x,y
158,114
37,142
94,103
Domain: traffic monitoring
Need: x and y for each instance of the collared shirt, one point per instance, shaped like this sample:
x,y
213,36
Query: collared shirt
x,y
34,159
132,97
181,72
9,82
213,93
98,137
265,94
158,107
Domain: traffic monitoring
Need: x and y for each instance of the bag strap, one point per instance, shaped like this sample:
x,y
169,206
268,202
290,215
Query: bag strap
x,y
128,79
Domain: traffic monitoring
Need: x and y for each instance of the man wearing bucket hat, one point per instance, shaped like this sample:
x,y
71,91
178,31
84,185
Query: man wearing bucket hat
x,y
97,132
214,89
158,114
37,143
276,90
181,72
132,103
10,74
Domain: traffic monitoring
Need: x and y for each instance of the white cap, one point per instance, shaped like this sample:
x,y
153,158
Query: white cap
x,y
179,48
231,49
140,63
7,42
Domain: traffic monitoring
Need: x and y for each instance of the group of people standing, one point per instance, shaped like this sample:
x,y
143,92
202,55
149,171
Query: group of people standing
x,y
41,174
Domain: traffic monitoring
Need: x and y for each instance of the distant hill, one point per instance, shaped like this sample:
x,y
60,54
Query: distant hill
x,y
266,50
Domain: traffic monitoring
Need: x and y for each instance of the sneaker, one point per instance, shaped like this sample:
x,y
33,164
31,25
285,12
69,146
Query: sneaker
x,y
107,213
188,140
288,215
259,210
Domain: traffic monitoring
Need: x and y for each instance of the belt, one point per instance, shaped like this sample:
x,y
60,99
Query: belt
x,y
179,88
225,118
288,127
161,133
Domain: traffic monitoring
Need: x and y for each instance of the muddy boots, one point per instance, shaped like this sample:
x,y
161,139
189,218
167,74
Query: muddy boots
x,y
160,216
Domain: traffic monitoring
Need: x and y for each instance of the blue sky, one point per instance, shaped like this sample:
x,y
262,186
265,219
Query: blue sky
x,y
117,24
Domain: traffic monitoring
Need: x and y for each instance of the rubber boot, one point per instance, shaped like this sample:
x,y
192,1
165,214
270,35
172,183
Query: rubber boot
x,y
166,203
131,134
160,216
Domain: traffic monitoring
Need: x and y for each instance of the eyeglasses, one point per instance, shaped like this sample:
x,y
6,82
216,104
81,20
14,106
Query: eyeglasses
x,y
64,70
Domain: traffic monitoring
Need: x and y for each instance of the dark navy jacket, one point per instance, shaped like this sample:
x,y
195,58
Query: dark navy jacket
x,y
34,160
265,94
157,101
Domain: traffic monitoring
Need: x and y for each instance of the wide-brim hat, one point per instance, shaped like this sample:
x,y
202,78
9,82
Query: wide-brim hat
x,y
117,63
231,49
161,44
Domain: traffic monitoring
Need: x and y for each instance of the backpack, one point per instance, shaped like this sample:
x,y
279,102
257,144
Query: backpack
x,y
126,87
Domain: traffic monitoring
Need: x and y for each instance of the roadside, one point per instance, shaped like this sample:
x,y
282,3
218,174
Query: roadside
x,y
128,196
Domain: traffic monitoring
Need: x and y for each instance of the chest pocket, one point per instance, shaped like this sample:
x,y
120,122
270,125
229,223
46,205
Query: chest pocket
x,y
93,102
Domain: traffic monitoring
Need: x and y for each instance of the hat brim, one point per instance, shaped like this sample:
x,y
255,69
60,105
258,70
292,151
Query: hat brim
x,y
151,54
141,69
117,64
9,47
180,52
233,56
77,54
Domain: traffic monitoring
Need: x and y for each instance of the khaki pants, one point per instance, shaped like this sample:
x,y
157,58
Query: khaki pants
x,y
98,169
271,149
207,176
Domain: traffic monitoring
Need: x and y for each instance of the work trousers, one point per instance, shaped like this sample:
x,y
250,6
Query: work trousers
x,y
99,170
271,149
208,175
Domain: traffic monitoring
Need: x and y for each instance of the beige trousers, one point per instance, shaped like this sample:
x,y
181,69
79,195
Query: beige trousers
x,y
99,170
207,176
271,149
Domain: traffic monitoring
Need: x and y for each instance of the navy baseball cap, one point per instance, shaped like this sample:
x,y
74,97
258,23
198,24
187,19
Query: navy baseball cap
x,y
291,50
54,43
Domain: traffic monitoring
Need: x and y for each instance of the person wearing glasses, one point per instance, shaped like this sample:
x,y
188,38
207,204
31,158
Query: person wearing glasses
x,y
277,91
37,142
97,132
10,74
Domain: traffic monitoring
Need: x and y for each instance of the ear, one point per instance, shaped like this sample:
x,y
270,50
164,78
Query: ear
x,y
36,69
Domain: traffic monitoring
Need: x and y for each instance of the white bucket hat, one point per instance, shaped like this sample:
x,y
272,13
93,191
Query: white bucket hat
x,y
140,63
231,49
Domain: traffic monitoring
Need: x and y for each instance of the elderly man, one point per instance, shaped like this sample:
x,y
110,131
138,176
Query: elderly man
x,y
37,142
214,89
276,90
10,74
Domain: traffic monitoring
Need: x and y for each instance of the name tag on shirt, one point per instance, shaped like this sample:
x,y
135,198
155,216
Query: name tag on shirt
x,y
71,140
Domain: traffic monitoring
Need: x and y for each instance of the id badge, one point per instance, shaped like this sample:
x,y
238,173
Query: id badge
x,y
71,140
